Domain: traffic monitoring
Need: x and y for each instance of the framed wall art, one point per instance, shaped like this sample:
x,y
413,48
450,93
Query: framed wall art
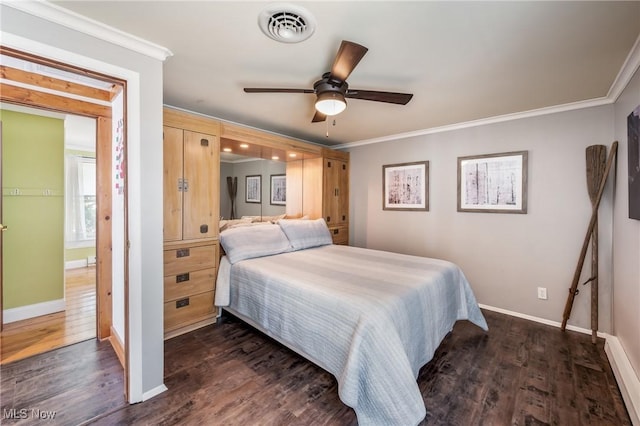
x,y
253,189
279,190
406,186
633,129
493,183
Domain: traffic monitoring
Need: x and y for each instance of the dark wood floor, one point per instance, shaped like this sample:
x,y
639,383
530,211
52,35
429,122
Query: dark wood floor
x,y
520,373
74,383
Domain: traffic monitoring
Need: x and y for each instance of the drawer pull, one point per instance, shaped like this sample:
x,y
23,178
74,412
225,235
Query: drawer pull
x,y
183,252
204,142
182,278
204,229
335,231
182,303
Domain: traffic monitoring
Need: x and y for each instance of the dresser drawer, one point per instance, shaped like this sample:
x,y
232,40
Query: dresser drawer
x,y
187,310
179,261
339,234
185,284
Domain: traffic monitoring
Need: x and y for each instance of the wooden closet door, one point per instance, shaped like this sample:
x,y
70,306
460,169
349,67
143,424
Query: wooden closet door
x,y
172,143
201,174
342,170
331,191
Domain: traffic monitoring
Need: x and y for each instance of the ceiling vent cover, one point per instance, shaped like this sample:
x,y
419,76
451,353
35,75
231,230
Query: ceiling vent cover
x,y
287,23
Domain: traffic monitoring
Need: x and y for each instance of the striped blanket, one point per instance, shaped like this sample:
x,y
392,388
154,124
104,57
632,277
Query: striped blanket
x,y
370,318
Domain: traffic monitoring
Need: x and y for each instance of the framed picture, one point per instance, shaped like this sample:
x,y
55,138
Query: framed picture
x,y
633,130
405,186
253,189
279,190
493,183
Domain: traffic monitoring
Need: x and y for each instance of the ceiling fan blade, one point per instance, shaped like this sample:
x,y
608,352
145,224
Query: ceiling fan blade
x,y
271,90
346,59
318,117
372,95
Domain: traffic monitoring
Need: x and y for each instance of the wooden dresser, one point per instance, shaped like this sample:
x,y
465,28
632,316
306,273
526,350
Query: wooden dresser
x,y
191,213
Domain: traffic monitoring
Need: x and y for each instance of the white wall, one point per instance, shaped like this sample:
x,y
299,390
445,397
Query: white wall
x,y
626,237
505,256
25,31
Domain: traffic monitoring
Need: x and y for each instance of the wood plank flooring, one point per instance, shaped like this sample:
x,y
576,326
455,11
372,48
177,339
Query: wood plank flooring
x,y
519,373
73,383
77,323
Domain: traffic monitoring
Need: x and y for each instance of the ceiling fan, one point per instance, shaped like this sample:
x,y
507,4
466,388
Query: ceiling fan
x,y
332,89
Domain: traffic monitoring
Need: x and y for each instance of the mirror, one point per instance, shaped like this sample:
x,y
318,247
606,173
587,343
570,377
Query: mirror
x,y
254,179
260,161
273,177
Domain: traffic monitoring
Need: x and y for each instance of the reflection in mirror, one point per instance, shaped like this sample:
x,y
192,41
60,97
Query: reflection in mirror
x,y
253,177
260,168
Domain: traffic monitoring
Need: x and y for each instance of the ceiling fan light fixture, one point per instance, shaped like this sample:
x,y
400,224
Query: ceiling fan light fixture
x,y
331,103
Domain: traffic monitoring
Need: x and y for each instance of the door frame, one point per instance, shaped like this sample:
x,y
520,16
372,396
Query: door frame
x,y
34,98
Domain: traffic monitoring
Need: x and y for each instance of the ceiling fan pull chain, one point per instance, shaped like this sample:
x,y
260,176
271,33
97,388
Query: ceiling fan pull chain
x,y
327,122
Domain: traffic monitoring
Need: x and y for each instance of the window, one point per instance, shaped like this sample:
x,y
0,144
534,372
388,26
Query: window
x,y
80,201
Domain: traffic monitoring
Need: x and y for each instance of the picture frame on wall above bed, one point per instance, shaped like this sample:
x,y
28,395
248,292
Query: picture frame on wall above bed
x,y
253,189
405,186
633,128
493,183
278,190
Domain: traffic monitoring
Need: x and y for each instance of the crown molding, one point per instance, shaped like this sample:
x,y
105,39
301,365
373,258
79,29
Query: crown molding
x,y
59,15
626,73
482,122
630,66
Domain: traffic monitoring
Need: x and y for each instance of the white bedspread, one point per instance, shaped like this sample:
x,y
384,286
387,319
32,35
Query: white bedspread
x,y
370,318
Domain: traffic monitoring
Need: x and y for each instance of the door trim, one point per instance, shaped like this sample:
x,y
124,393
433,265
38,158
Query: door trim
x,y
133,284
35,99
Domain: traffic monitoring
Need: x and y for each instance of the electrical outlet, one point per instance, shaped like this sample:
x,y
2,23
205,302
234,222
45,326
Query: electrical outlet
x,y
542,293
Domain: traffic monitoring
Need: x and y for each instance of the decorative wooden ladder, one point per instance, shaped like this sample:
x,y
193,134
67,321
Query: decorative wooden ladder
x,y
597,173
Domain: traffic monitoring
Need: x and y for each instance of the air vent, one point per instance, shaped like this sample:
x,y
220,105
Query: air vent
x,y
287,23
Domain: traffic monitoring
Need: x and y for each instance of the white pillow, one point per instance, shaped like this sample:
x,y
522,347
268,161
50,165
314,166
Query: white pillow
x,y
247,242
304,233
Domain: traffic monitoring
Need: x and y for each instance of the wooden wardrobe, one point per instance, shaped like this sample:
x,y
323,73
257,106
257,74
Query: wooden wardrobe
x,y
191,213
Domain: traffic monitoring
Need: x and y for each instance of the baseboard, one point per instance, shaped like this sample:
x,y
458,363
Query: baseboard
x,y
541,320
626,378
153,392
118,346
31,311
73,264
628,381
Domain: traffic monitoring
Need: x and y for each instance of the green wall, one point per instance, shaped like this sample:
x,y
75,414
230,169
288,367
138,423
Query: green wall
x,y
33,246
79,253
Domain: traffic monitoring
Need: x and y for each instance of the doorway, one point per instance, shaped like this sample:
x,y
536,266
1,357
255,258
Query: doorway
x,y
49,268
60,93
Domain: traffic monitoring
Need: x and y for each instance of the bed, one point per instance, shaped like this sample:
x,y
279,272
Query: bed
x,y
371,318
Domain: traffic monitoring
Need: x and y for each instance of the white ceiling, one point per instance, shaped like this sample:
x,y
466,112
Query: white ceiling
x,y
463,61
